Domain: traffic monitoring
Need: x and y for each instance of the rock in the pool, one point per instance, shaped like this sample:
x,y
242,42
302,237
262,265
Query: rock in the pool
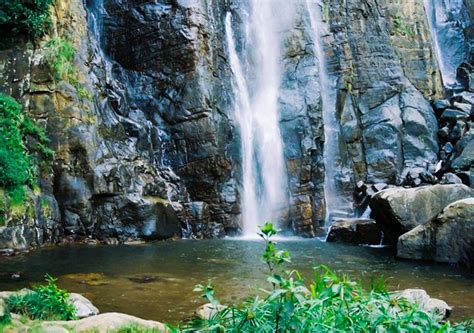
x,y
448,238
355,231
399,210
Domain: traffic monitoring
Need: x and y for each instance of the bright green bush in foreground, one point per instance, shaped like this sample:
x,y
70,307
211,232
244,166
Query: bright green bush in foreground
x,y
44,302
329,303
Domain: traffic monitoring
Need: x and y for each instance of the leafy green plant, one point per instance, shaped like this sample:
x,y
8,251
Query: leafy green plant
x,y
24,17
60,53
24,145
401,28
44,302
329,303
133,329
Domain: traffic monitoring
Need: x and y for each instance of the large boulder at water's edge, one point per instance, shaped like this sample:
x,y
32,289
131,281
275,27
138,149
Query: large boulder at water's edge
x,y
448,238
425,302
355,231
399,210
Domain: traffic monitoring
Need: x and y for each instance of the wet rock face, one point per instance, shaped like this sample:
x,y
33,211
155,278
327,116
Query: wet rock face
x,y
171,67
447,238
386,122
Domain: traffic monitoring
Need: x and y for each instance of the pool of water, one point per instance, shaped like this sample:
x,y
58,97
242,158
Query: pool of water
x,y
155,280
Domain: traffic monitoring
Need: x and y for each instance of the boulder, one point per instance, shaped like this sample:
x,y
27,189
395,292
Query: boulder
x,y
84,307
450,178
355,231
464,158
209,310
399,210
448,238
104,323
452,115
425,302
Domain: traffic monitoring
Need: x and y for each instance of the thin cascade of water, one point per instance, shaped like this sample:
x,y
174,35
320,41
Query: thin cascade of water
x,y
334,202
264,182
447,20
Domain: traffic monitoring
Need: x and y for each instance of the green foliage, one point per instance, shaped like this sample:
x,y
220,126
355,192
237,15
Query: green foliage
x,y
45,302
134,329
329,303
59,54
25,17
22,141
401,28
15,166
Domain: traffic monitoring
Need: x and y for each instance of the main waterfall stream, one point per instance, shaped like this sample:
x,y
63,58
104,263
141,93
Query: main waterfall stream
x,y
257,76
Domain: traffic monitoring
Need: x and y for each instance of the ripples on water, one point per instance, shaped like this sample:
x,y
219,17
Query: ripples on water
x,y
155,281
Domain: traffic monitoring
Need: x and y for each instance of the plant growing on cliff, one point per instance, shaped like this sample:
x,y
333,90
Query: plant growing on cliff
x,y
329,303
401,28
60,53
31,18
21,140
44,302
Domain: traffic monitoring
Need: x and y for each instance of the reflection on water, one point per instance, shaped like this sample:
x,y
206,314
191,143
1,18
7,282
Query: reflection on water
x,y
155,281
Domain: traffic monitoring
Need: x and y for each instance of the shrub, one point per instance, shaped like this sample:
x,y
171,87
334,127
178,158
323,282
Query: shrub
x,y
21,140
30,17
44,302
401,28
133,329
59,53
330,303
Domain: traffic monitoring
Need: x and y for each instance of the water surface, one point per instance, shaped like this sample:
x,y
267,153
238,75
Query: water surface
x,y
155,281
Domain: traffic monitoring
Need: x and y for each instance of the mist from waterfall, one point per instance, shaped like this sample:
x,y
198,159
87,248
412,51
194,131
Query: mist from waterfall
x,y
257,79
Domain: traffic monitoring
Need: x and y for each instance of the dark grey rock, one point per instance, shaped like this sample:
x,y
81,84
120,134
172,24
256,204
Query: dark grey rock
x,y
450,178
467,108
448,148
452,115
399,210
448,238
441,104
355,231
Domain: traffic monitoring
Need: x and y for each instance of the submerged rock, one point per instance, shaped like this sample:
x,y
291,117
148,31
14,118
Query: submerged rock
x,y
448,238
355,231
399,210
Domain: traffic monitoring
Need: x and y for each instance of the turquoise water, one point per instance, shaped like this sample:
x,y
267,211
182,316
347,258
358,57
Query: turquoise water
x,y
155,280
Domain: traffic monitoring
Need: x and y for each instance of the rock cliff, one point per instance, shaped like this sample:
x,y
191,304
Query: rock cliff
x,y
145,140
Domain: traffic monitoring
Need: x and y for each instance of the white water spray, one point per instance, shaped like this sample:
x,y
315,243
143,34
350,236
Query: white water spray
x,y
256,90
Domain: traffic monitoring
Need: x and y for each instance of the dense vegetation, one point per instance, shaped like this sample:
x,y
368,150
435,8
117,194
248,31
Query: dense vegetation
x,y
23,145
25,17
330,303
44,302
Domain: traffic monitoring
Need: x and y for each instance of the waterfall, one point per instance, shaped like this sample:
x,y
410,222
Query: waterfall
x,y
257,79
446,21
335,204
